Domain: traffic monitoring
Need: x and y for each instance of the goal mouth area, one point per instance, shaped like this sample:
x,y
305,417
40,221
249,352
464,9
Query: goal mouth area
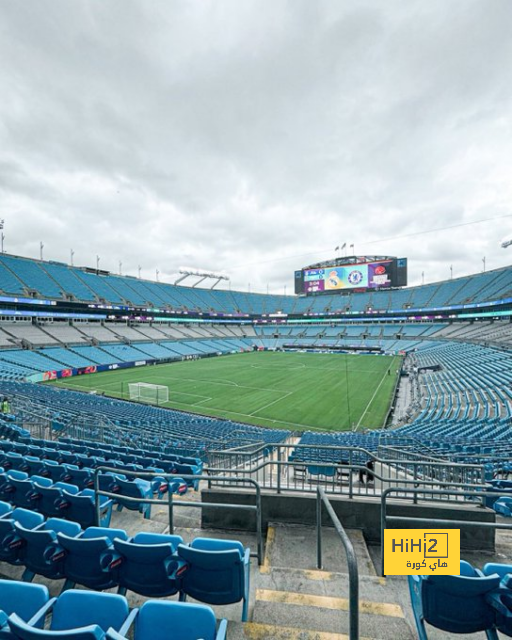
x,y
146,392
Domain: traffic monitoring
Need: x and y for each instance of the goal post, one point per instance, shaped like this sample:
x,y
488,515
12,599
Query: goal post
x,y
145,392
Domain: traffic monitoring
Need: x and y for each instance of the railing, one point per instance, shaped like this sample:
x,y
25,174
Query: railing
x,y
404,493
256,508
353,571
351,477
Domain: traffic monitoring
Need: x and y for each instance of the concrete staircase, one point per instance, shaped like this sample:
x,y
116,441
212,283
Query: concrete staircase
x,y
293,599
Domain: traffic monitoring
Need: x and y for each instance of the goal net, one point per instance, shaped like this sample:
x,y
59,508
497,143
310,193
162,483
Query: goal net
x,y
145,392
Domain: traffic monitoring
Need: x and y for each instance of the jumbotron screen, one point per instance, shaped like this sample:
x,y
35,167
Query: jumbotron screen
x,y
362,275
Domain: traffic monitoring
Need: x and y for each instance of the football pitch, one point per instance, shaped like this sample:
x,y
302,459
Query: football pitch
x,y
331,392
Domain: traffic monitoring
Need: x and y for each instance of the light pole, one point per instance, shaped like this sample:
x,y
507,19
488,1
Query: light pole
x,y
41,247
157,272
72,254
422,277
483,260
97,263
120,268
2,222
139,271
451,272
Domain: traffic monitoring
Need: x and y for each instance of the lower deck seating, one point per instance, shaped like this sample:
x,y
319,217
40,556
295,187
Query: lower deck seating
x,y
209,570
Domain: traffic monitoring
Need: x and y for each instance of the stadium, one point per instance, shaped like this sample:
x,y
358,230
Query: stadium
x,y
305,434
249,451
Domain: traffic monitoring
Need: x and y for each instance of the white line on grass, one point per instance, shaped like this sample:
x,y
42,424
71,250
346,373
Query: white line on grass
x,y
225,383
287,393
373,397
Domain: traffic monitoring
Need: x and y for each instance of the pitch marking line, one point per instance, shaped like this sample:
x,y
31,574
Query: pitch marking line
x,y
373,396
286,395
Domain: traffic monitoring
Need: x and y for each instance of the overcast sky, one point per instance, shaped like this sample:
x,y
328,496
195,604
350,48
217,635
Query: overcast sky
x,y
253,137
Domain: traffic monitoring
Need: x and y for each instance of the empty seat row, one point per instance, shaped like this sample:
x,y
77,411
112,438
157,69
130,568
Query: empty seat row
x,y
104,458
28,612
71,501
155,565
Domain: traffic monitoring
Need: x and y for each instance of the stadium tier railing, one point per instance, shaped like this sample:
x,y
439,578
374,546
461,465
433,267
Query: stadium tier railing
x,y
171,503
351,476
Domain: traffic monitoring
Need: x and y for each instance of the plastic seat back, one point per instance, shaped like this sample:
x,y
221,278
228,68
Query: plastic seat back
x,y
5,509
52,502
42,553
456,604
23,494
148,564
53,470
187,621
11,545
135,489
88,558
22,598
215,575
78,608
81,508
78,615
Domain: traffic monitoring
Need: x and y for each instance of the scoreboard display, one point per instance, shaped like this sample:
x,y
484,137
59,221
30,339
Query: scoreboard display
x,y
361,275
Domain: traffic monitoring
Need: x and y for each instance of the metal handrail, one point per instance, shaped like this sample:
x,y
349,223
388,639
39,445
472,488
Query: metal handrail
x,y
385,518
353,571
195,505
415,479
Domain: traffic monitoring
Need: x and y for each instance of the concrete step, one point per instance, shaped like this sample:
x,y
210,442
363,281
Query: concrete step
x,y
329,614
324,583
294,547
259,631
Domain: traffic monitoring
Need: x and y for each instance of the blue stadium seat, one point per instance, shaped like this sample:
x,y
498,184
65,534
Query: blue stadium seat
x,y
5,509
218,572
78,615
148,564
500,601
14,460
6,487
82,478
91,558
53,470
135,489
52,501
42,553
183,621
10,542
177,486
24,492
503,506
82,508
456,604
23,599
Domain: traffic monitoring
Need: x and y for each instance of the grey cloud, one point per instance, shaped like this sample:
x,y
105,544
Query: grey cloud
x,y
255,141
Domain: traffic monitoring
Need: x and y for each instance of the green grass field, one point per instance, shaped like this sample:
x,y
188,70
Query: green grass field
x,y
281,390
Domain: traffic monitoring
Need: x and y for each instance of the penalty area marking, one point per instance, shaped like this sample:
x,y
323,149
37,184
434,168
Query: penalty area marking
x,y
287,394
